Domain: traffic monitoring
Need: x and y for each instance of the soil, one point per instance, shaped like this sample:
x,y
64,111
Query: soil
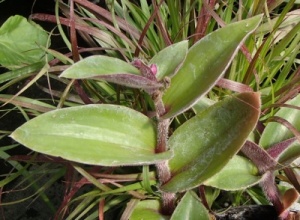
x,y
254,212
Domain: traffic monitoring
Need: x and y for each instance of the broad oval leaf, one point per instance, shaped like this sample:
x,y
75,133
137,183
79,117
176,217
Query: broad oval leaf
x,y
107,135
21,43
238,174
276,132
205,63
203,145
169,59
190,207
148,209
95,66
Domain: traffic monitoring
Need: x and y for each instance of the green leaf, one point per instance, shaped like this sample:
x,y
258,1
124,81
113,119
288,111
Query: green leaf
x,y
169,59
238,174
21,72
190,207
211,194
276,132
32,104
202,104
106,135
21,42
205,63
290,154
111,70
95,66
204,144
148,210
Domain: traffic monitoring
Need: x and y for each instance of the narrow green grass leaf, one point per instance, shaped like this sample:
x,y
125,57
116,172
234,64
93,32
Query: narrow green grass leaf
x,y
27,103
205,63
21,72
91,179
276,132
203,145
106,135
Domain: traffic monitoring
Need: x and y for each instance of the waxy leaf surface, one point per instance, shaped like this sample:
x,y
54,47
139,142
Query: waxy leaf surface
x,y
190,207
205,63
203,145
238,174
106,135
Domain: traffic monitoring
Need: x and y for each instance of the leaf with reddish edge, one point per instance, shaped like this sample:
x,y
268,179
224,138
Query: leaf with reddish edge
x,y
130,80
259,157
98,65
203,145
105,135
288,199
285,152
111,70
205,63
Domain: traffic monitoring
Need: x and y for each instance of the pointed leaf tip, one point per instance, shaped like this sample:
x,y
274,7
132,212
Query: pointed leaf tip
x,y
203,145
98,65
205,63
190,207
106,135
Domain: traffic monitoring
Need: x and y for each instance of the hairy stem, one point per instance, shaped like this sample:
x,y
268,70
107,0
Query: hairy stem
x,y
164,174
270,189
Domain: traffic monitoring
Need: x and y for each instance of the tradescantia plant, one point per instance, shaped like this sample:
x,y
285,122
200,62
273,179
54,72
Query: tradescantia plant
x,y
202,151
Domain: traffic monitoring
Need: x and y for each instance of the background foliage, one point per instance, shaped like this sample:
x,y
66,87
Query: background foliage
x,y
134,71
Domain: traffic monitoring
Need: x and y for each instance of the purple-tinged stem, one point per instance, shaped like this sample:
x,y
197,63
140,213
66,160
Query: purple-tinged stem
x,y
270,189
164,174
